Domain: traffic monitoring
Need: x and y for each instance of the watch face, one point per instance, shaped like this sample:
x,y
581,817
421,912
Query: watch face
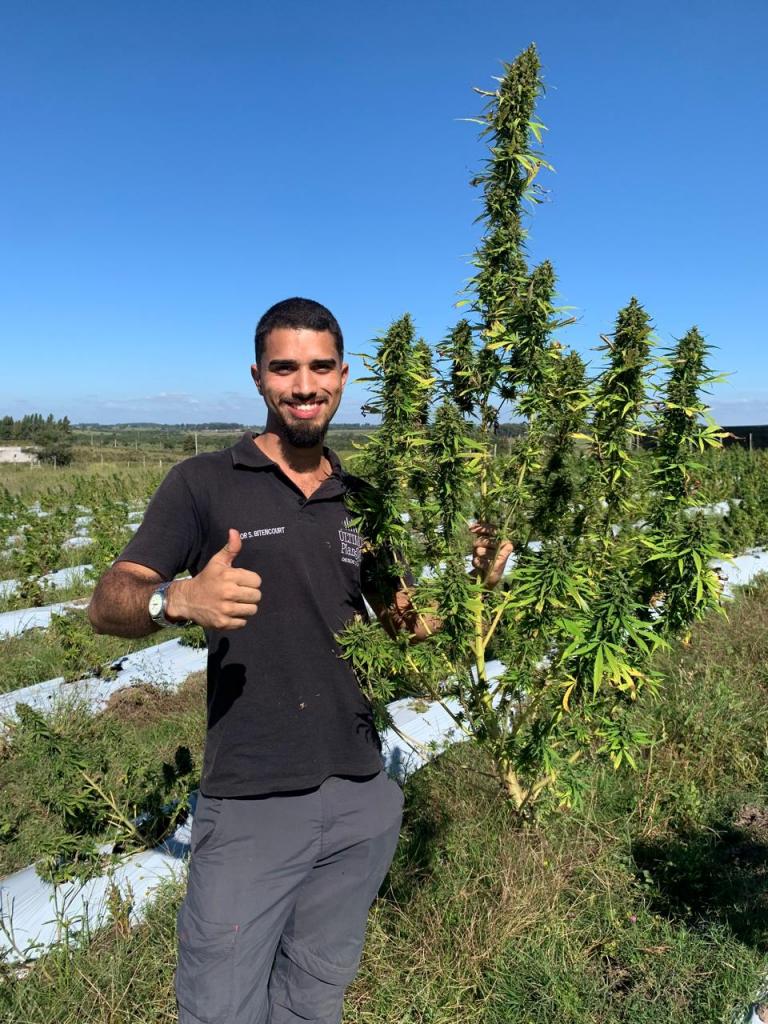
x,y
155,604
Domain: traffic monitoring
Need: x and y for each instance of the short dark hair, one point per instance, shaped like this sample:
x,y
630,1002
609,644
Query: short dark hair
x,y
297,313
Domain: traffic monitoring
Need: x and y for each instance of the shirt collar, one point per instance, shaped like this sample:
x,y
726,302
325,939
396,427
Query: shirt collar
x,y
246,453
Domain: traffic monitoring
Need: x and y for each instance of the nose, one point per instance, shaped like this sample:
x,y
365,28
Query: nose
x,y
304,382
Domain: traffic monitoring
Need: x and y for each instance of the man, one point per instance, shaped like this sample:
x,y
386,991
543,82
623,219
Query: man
x,y
296,823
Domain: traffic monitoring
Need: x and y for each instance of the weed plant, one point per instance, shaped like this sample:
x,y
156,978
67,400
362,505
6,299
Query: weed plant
x,y
73,780
40,551
584,607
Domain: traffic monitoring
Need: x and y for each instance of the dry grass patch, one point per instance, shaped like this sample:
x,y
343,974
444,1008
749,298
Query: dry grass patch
x,y
143,703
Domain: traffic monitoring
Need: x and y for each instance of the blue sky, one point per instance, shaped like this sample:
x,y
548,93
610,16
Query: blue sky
x,y
171,169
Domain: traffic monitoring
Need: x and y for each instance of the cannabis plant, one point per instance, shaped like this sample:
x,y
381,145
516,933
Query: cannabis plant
x,y
543,670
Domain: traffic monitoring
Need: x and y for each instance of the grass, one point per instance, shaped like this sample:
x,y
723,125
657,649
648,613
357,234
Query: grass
x,y
645,905
31,482
137,749
68,648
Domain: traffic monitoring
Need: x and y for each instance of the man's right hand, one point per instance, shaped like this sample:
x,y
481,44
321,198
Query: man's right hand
x,y
220,596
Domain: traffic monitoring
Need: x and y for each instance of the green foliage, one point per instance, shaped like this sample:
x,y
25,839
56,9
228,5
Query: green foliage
x,y
80,652
108,529
619,402
36,428
90,802
193,636
681,539
592,593
44,531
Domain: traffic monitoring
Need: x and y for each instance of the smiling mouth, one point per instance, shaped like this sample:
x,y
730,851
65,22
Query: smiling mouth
x,y
304,410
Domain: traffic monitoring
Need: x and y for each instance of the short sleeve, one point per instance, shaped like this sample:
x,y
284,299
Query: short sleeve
x,y
169,537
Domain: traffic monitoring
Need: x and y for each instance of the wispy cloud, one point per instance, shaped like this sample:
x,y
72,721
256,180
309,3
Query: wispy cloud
x,y
163,398
741,407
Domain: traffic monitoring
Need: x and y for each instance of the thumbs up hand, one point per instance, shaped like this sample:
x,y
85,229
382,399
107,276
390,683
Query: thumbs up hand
x,y
220,596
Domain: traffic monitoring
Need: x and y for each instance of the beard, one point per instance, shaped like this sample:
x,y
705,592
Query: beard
x,y
304,436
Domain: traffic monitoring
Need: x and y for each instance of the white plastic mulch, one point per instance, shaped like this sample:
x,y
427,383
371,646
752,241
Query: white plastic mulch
x,y
14,623
34,916
165,665
741,569
55,580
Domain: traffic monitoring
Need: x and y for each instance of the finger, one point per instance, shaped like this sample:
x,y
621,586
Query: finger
x,y
246,595
238,610
505,550
245,578
233,623
231,549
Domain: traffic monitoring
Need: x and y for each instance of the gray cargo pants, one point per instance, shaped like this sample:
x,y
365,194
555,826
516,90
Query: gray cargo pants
x,y
272,926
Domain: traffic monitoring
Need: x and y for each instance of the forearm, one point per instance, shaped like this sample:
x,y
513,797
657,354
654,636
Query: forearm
x,y
119,605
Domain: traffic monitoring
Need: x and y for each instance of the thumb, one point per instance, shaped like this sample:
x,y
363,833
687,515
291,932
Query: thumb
x,y
231,549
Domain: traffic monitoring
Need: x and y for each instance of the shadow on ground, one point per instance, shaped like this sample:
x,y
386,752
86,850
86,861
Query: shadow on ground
x,y
426,820
716,874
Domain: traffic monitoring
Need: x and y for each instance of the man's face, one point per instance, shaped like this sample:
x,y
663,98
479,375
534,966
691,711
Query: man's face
x,y
301,378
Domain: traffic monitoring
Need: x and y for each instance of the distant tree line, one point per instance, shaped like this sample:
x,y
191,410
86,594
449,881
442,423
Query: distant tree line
x,y
51,439
159,427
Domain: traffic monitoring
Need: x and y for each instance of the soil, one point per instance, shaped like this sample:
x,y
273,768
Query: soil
x,y
752,819
144,702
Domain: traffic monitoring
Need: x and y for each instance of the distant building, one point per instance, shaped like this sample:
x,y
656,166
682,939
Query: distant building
x,y
15,453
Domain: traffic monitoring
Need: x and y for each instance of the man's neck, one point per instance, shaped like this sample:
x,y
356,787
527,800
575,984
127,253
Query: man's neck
x,y
303,461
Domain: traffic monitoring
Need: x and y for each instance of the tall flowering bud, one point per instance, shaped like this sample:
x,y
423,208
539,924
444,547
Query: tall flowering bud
x,y
508,180
679,573
450,449
619,402
684,429
392,382
386,462
557,498
460,349
513,305
423,375
530,361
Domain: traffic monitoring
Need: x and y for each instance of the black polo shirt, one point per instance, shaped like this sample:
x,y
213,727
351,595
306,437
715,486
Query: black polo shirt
x,y
284,710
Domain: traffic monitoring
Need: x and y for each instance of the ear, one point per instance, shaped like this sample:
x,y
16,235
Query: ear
x,y
344,373
256,374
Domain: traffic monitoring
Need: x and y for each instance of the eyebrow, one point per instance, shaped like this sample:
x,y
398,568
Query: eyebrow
x,y
287,364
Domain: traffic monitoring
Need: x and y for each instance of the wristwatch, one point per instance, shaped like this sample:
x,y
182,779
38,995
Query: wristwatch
x,y
158,603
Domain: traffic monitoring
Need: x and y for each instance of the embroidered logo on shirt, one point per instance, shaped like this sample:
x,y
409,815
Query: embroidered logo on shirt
x,y
351,543
266,532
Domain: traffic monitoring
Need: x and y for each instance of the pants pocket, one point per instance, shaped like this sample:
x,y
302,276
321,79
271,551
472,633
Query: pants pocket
x,y
206,817
304,986
206,968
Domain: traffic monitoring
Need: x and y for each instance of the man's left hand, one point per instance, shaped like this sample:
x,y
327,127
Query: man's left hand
x,y
489,554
